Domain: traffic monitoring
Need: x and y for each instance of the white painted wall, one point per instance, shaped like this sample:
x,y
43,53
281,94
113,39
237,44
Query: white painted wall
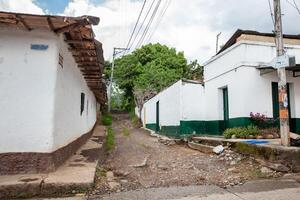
x,y
27,83
68,123
192,101
169,107
39,100
248,91
181,101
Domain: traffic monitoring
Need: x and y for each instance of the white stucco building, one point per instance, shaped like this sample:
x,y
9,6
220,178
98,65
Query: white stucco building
x,y
50,83
237,81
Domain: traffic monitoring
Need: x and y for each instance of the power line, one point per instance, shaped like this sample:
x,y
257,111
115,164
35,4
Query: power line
x,y
294,4
271,13
160,17
137,21
140,42
141,26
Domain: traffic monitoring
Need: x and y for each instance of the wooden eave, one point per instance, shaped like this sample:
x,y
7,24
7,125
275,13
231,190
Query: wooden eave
x,y
78,34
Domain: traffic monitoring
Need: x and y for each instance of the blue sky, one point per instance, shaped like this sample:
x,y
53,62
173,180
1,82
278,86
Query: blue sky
x,y
58,6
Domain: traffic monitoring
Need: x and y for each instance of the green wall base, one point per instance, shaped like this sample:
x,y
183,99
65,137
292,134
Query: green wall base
x,y
211,127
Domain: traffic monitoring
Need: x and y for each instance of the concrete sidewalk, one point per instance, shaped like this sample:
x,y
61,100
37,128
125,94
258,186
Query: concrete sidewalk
x,y
280,189
76,175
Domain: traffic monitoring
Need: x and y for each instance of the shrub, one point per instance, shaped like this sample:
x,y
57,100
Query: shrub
x,y
241,132
110,139
261,121
106,119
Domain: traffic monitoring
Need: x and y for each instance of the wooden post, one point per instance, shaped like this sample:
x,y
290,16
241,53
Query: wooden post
x,y
282,86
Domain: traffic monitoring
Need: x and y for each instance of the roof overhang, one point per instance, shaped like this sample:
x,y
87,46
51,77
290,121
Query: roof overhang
x,y
264,69
79,35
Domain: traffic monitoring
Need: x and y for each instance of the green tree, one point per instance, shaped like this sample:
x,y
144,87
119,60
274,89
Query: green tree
x,y
148,70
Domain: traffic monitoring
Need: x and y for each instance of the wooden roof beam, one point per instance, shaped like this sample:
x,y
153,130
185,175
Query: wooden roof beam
x,y
80,41
20,19
81,49
69,27
50,24
88,63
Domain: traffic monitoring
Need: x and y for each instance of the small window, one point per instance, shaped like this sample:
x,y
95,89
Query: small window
x,y
87,107
82,103
61,61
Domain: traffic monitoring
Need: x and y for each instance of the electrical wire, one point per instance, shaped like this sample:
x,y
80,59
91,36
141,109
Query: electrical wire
x,y
271,13
137,21
294,5
140,42
168,2
141,26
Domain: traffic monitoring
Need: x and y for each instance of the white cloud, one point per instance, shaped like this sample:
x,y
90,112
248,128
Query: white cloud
x,y
24,6
190,26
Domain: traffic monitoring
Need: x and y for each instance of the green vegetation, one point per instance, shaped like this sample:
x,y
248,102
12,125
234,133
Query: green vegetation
x,y
241,132
125,132
110,139
148,70
134,119
256,173
100,172
106,119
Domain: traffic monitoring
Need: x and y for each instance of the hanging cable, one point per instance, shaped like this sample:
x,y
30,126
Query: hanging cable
x,y
137,21
140,42
141,26
159,20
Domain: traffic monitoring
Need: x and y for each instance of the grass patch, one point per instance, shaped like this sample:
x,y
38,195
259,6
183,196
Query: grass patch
x,y
247,149
110,139
125,132
256,173
100,172
134,119
106,119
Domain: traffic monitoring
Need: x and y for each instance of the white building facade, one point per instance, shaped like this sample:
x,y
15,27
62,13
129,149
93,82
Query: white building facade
x,y
237,81
47,107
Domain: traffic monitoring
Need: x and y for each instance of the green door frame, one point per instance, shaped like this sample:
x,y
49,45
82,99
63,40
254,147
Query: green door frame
x,y
225,108
157,117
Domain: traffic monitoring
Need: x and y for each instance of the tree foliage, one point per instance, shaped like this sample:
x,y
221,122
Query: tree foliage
x,y
148,70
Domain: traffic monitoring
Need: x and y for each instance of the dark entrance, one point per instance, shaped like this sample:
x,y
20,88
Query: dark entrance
x,y
157,117
225,108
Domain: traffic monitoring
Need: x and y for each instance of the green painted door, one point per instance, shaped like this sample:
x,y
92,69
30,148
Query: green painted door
x,y
225,108
157,117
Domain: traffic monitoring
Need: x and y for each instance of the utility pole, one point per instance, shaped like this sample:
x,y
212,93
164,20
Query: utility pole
x,y
217,42
282,87
115,52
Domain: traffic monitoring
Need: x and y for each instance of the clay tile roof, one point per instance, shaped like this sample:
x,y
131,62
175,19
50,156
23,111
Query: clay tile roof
x,y
86,50
239,32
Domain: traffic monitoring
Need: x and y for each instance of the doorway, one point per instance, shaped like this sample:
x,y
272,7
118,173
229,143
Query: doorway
x,y
225,108
157,117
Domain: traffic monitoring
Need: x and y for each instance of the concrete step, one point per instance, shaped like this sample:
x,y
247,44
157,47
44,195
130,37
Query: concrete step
x,y
201,147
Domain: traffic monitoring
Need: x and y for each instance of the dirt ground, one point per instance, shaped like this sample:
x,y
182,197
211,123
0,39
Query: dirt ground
x,y
167,165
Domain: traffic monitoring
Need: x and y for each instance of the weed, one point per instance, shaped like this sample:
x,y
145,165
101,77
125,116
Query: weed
x,y
134,119
106,119
110,139
125,132
256,173
100,172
